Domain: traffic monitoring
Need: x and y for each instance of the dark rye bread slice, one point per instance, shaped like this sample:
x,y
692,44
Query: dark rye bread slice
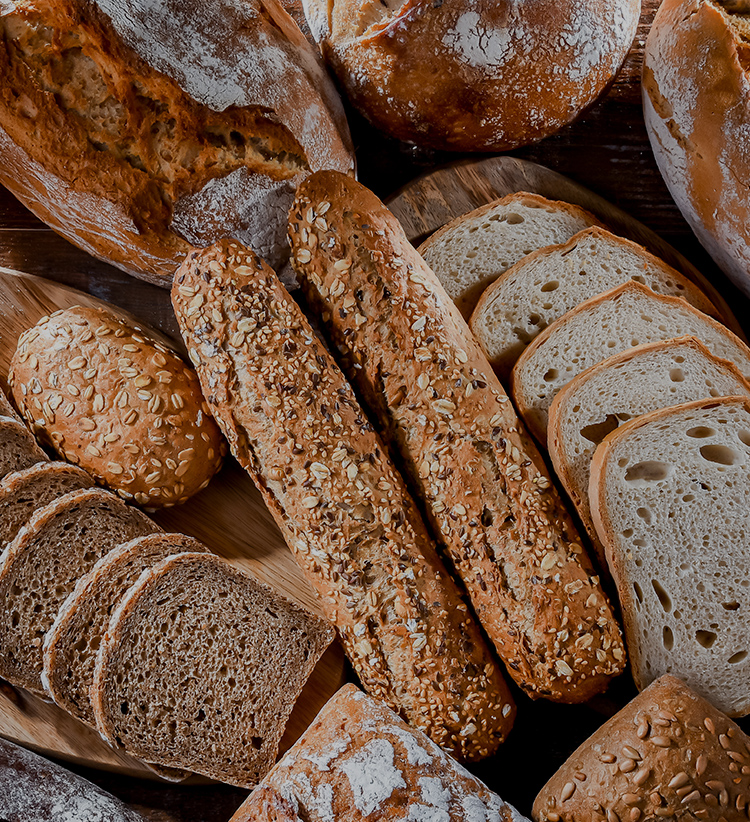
x,y
71,644
60,543
24,492
18,448
201,667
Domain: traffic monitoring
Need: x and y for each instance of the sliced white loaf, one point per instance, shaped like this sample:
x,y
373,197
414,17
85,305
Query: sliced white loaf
x,y
473,250
542,287
632,383
669,496
619,319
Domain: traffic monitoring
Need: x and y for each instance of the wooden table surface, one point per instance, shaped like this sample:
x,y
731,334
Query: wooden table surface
x,y
606,150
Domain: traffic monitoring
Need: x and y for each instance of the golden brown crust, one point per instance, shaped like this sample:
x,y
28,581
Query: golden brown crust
x,y
484,485
669,754
109,398
295,425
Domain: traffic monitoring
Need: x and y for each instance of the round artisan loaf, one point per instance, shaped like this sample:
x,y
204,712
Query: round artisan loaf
x,y
119,404
473,76
187,121
696,102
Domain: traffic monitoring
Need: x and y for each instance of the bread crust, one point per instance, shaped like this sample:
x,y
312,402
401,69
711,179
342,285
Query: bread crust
x,y
484,486
107,397
295,425
476,76
696,101
173,111
18,447
667,754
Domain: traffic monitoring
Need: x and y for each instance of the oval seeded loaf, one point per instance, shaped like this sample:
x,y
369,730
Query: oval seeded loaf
x,y
188,121
106,396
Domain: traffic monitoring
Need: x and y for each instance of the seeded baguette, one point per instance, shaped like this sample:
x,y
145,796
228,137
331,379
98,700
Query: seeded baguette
x,y
484,486
58,545
108,397
668,754
18,448
295,425
72,641
22,493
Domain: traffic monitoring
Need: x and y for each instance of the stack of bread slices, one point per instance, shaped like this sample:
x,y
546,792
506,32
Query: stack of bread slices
x,y
623,368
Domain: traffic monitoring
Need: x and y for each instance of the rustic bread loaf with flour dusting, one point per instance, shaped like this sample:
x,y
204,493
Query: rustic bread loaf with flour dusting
x,y
188,121
296,426
483,484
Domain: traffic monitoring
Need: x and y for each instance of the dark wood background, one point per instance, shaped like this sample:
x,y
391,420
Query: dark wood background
x,y
606,150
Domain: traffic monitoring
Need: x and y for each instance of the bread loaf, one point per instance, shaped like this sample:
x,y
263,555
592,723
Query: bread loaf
x,y
18,448
467,76
295,424
484,486
109,398
188,122
358,761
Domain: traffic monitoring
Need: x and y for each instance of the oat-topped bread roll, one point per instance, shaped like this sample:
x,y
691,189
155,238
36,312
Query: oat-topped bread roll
x,y
668,754
106,396
295,424
201,666
188,121
358,761
484,486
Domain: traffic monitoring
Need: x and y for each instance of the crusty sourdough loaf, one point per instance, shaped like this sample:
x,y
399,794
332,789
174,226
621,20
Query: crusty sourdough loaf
x,y
71,643
696,104
359,761
60,543
295,424
23,492
473,76
624,386
548,283
473,250
485,489
668,495
608,323
18,448
108,397
187,121
201,667
668,754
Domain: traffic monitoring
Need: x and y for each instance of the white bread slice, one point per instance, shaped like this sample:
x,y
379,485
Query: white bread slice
x,y
669,497
542,287
619,319
473,250
622,387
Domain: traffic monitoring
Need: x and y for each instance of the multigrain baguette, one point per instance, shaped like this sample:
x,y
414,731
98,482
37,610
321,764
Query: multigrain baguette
x,y
484,486
294,423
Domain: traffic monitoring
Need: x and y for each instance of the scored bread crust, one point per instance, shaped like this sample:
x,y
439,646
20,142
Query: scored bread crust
x,y
668,754
106,396
174,111
485,488
295,425
220,728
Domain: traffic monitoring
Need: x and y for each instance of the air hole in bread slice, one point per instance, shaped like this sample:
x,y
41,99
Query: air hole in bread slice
x,y
648,471
597,431
706,639
744,437
664,599
677,375
701,432
720,454
667,638
740,656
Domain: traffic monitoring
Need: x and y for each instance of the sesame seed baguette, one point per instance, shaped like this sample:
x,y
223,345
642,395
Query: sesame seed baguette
x,y
294,423
668,754
60,543
482,482
18,448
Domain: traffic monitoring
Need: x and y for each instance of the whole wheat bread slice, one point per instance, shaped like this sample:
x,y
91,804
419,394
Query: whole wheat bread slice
x,y
18,448
38,570
605,325
542,287
473,250
24,492
71,644
6,408
201,667
632,383
669,498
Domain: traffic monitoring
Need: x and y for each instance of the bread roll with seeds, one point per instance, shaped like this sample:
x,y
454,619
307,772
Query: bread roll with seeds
x,y
668,754
18,448
486,489
106,396
295,424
